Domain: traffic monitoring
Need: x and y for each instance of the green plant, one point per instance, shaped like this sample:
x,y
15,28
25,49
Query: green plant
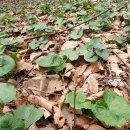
x,y
93,50
6,64
24,116
112,109
76,34
52,61
36,43
9,90
70,54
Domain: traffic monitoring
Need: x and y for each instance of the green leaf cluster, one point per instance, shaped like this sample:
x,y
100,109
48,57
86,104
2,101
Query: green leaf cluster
x,y
93,50
22,119
52,61
36,43
6,64
112,109
7,92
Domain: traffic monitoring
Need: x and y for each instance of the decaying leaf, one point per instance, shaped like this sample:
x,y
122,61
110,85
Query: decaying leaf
x,y
69,45
96,127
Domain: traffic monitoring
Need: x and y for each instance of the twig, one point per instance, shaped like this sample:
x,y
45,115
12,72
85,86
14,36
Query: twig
x,y
121,59
25,76
74,109
68,29
94,17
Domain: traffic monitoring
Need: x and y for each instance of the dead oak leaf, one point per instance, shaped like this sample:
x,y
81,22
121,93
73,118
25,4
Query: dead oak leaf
x,y
95,127
69,45
22,65
93,68
83,122
55,85
69,117
115,69
92,83
59,117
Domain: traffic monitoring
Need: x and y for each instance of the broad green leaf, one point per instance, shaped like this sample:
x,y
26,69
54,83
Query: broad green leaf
x,y
36,43
10,122
76,34
60,21
90,57
102,53
126,16
96,43
29,114
20,40
7,41
128,83
112,109
58,68
95,26
118,39
6,64
51,60
2,49
72,55
7,92
40,26
79,102
127,28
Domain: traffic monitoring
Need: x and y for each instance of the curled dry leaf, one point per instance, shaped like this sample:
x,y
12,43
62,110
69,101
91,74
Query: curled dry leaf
x,y
22,65
93,68
55,85
62,98
83,122
69,117
115,68
65,127
6,109
34,56
79,72
69,69
95,96
92,83
40,101
46,112
69,45
95,127
59,117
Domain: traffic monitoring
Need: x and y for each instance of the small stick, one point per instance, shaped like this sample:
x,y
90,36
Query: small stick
x,y
121,59
74,128
24,76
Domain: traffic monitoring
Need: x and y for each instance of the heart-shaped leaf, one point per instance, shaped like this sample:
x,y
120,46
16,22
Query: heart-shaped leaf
x,y
10,122
29,114
90,57
79,102
6,64
7,92
72,55
76,34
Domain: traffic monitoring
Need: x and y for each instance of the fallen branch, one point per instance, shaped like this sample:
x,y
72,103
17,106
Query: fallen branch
x,y
121,60
68,29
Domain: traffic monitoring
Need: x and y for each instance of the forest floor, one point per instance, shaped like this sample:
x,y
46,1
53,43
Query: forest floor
x,y
65,65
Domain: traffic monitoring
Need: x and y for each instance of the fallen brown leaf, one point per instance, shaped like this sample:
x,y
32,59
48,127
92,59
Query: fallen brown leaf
x,y
69,45
95,127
